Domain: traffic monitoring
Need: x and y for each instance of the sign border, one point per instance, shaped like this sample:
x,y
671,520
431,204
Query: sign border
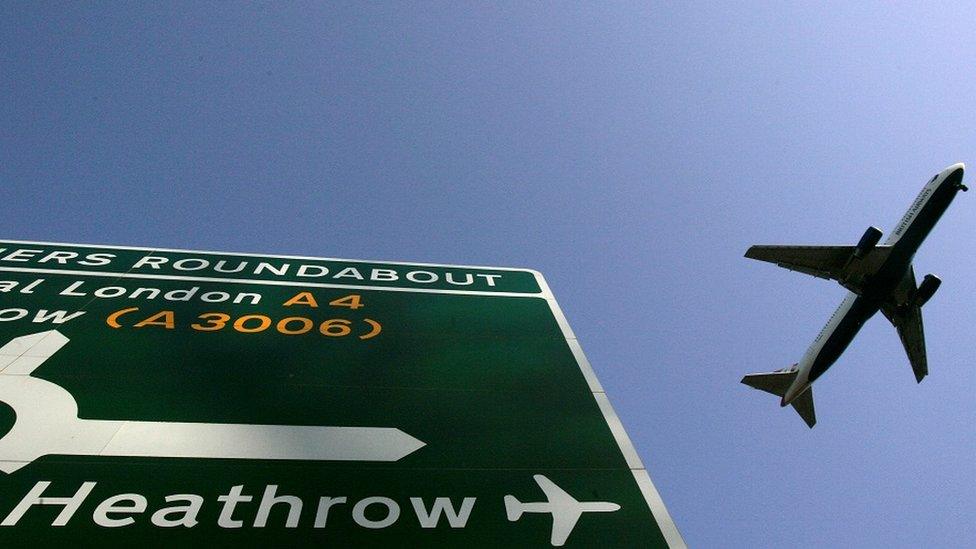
x,y
651,496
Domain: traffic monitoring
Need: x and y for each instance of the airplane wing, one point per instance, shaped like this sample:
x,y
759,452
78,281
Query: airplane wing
x,y
830,262
906,316
566,510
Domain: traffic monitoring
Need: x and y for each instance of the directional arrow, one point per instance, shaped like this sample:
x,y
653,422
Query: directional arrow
x,y
47,423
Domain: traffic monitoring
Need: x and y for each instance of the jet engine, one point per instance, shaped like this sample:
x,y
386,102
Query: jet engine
x,y
867,242
927,289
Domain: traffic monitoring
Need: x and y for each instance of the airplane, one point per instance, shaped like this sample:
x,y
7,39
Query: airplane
x,y
878,277
564,508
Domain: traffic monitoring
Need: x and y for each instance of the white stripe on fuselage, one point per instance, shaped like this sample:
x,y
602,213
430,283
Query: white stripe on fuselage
x,y
923,197
801,382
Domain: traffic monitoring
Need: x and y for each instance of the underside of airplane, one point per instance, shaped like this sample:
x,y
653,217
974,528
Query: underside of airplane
x,y
879,277
850,266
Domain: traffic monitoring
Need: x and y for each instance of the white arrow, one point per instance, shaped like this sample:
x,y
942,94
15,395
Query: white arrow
x,y
47,423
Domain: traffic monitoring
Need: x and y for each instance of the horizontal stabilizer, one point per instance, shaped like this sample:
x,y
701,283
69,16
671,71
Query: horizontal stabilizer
x,y
513,508
777,383
773,382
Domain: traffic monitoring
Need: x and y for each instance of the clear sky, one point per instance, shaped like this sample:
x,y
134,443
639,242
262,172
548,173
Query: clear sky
x,y
629,152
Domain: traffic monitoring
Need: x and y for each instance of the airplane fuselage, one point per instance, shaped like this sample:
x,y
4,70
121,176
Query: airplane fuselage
x,y
860,305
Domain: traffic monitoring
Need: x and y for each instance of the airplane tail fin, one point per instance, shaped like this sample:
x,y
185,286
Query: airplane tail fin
x,y
513,508
803,404
777,383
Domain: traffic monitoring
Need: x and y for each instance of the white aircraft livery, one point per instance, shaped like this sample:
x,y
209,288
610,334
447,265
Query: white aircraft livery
x,y
879,277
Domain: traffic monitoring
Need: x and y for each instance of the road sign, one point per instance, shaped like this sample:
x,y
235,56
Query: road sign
x,y
179,397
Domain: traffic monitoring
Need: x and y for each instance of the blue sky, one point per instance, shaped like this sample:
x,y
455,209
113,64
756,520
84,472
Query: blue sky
x,y
630,152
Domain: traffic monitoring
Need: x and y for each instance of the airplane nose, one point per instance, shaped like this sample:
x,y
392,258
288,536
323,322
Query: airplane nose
x,y
953,176
951,170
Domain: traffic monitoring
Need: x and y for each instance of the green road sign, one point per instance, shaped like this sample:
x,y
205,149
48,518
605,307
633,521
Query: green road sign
x,y
166,397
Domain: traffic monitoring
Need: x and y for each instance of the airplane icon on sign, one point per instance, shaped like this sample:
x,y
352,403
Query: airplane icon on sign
x,y
564,508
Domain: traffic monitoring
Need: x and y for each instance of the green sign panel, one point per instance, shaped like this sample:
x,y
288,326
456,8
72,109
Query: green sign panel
x,y
176,398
